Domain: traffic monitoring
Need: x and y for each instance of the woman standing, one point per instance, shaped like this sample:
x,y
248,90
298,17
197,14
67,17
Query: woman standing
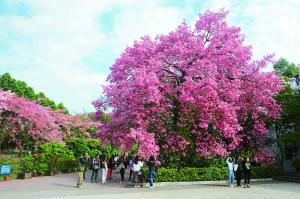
x,y
247,172
104,169
121,167
230,164
137,165
110,167
130,168
152,166
95,168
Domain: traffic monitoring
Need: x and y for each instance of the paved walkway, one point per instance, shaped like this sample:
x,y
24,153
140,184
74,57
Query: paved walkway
x,y
63,187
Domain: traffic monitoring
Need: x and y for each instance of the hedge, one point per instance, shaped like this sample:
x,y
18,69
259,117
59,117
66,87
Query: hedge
x,y
296,162
206,174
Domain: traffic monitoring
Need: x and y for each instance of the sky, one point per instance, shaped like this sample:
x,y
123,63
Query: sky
x,y
65,48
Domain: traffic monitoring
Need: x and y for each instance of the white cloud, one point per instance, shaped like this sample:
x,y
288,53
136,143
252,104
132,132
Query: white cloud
x,y
48,49
269,26
275,28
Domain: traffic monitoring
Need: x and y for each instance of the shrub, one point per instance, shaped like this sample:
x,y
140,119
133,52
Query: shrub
x,y
28,164
80,146
93,147
52,157
296,162
206,174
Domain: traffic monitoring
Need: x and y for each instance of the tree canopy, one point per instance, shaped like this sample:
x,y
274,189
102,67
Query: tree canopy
x,y
287,128
194,88
21,89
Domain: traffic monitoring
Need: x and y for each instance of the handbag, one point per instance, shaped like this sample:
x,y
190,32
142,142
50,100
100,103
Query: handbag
x,y
235,167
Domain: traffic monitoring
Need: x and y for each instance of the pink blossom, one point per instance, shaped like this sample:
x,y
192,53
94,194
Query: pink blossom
x,y
193,82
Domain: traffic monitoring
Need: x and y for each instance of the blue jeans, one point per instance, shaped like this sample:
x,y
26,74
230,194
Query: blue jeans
x,y
151,178
230,177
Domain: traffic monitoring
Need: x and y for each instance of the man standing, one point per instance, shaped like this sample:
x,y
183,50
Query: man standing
x,y
152,170
95,168
81,167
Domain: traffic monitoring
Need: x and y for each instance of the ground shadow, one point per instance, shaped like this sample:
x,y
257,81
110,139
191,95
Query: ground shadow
x,y
64,185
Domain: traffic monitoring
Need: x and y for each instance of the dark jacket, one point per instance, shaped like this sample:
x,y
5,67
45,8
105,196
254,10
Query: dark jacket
x,y
240,165
245,169
82,163
111,163
151,166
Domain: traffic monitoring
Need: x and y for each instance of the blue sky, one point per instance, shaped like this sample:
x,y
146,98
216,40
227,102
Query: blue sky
x,y
65,47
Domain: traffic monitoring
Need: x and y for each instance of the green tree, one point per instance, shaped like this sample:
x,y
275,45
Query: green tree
x,y
21,89
287,129
286,69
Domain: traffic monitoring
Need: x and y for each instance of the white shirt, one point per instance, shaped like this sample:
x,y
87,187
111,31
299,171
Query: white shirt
x,y
230,165
138,166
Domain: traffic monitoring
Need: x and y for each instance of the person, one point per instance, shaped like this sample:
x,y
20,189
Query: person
x,y
230,164
247,171
104,169
137,165
81,167
239,171
121,167
86,167
130,168
95,168
152,169
116,160
111,165
140,174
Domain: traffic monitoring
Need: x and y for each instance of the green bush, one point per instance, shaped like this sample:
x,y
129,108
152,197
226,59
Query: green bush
x,y
80,146
52,158
28,164
206,174
296,162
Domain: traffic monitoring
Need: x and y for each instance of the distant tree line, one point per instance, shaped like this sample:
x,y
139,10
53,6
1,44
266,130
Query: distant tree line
x,y
21,89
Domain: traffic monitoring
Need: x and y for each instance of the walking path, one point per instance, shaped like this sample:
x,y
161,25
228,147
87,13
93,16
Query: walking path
x,y
63,187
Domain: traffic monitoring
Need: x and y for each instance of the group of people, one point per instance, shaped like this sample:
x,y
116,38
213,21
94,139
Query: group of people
x,y
119,163
135,164
240,166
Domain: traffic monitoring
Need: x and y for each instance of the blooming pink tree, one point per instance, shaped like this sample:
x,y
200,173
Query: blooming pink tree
x,y
26,120
194,87
265,157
